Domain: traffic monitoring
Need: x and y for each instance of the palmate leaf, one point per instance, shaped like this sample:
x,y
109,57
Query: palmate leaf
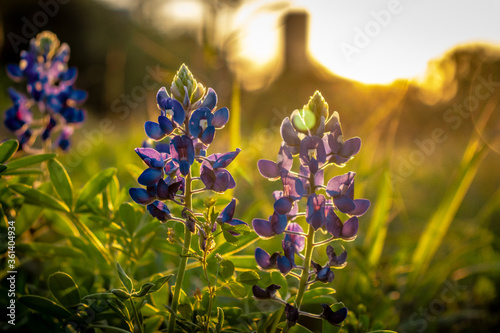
x,y
226,269
44,305
25,161
249,277
64,289
61,181
94,186
237,289
38,198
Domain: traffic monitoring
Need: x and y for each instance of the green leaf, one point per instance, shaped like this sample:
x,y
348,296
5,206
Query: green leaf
x,y
237,289
129,217
300,329
45,250
145,289
319,295
230,238
22,172
61,181
226,269
94,186
2,168
120,293
159,283
25,161
38,198
7,149
126,281
249,277
119,308
44,305
220,320
64,289
101,296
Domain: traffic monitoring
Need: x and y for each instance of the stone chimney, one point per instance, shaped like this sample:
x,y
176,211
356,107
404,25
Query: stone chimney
x,y
295,48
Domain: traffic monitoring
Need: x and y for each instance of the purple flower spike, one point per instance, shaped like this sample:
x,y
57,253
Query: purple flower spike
x,y
334,318
141,196
159,210
315,211
337,261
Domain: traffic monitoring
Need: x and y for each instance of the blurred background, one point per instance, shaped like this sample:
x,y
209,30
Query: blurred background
x,y
419,82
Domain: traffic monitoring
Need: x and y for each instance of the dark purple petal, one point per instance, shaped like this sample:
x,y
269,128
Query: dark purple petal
x,y
221,117
78,96
333,224
263,258
334,318
165,125
362,206
223,181
150,177
285,158
223,160
351,147
268,169
159,210
350,228
315,210
292,315
284,265
154,131
162,190
263,228
269,292
278,222
344,203
208,135
141,196
207,176
283,205
228,212
338,185
288,133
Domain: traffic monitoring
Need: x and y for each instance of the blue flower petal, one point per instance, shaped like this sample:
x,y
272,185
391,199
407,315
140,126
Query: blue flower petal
x,y
263,228
14,72
208,135
150,177
153,130
159,210
221,117
141,196
263,258
165,124
284,265
210,100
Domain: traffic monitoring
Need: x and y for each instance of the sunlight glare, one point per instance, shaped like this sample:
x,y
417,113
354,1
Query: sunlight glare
x,y
259,39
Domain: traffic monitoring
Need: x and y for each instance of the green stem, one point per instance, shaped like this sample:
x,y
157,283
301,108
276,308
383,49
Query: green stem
x,y
136,316
307,263
184,256
210,296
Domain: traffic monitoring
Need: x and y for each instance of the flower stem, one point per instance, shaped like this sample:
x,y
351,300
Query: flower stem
x,y
184,256
307,262
136,315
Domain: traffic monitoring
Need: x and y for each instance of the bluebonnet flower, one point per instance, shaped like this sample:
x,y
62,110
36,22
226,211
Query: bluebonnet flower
x,y
182,152
334,318
213,171
226,216
341,189
50,86
269,292
315,137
